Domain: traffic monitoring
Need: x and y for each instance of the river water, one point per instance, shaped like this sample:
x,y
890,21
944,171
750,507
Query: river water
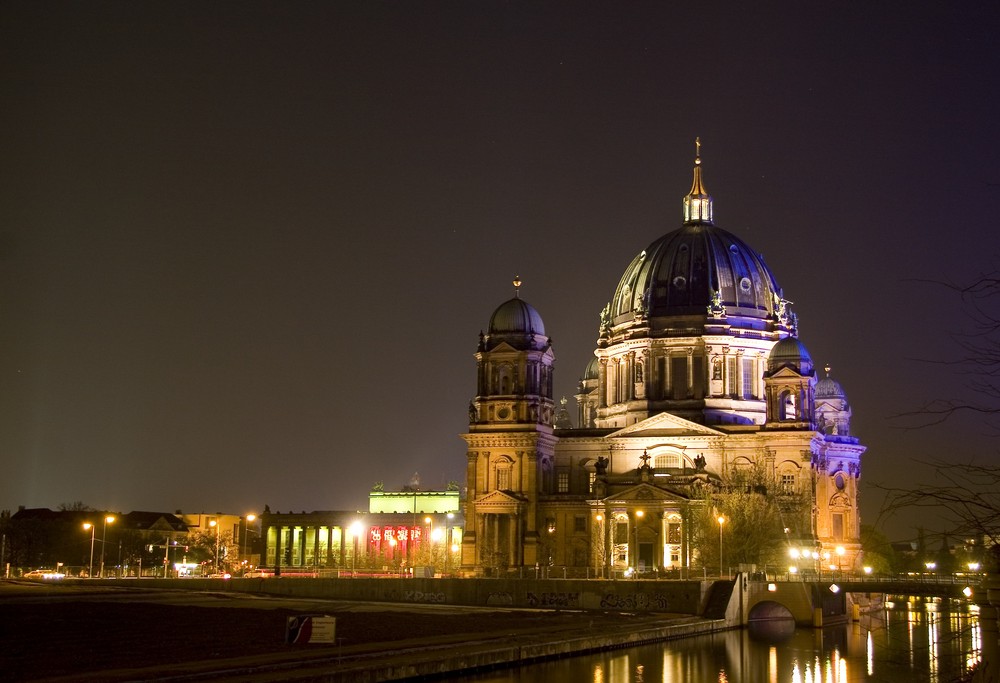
x,y
913,641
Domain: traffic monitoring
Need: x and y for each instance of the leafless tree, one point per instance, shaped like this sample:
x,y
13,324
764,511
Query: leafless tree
x,y
978,356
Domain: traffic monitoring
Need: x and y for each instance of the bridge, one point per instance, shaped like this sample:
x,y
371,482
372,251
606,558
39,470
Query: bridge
x,y
818,602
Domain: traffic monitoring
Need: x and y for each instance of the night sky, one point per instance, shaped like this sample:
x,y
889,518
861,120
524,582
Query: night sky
x,y
246,249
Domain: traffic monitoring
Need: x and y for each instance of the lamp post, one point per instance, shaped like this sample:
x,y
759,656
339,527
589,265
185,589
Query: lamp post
x,y
840,560
602,544
104,532
638,516
215,523
430,539
447,540
722,521
246,533
93,529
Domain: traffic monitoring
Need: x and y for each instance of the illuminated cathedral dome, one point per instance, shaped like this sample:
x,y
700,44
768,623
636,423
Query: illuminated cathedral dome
x,y
516,317
517,323
696,275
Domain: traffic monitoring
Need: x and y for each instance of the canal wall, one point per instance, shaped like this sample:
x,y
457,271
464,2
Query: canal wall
x,y
675,597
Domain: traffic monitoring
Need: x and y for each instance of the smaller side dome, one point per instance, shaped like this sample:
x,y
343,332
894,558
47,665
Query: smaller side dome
x,y
516,316
829,387
790,352
592,371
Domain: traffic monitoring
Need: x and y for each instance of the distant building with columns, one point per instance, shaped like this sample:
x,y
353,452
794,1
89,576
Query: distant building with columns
x,y
400,530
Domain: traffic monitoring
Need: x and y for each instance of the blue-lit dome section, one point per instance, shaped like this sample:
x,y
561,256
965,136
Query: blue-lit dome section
x,y
694,276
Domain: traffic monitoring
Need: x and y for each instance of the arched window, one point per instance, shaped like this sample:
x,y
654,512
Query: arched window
x,y
786,405
668,460
503,475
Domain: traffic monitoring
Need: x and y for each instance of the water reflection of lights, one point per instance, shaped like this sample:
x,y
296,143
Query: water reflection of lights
x,y
832,670
926,634
933,633
870,651
975,652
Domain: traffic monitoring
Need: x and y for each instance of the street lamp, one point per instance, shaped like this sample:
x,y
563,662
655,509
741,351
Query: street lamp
x,y
214,523
721,520
246,532
104,532
638,515
93,529
430,539
840,559
447,540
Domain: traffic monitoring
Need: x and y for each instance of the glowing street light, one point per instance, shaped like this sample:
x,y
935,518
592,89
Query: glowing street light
x,y
93,529
248,520
638,516
107,520
447,539
605,559
214,523
840,558
722,521
430,538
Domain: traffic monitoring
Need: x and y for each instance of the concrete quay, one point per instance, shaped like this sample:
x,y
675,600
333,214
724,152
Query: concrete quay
x,y
423,657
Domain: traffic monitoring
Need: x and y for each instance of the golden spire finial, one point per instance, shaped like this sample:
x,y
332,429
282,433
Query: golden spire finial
x,y
517,286
697,203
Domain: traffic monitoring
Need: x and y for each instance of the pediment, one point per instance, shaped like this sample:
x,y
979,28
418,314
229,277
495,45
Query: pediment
x,y
498,501
644,493
787,373
665,424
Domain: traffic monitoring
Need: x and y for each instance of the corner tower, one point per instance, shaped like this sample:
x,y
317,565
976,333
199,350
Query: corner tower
x,y
510,439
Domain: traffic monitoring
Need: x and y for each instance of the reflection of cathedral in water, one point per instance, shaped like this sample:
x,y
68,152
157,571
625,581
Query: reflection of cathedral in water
x,y
698,376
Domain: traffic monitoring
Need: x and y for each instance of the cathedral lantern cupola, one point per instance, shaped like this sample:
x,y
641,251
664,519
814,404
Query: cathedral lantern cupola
x,y
789,386
697,203
833,412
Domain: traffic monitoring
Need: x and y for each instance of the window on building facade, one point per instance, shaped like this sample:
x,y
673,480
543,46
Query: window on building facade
x,y
678,377
503,478
748,378
673,533
580,524
666,461
787,482
562,481
838,526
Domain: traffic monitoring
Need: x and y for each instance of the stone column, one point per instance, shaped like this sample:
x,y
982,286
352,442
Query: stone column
x,y
277,550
